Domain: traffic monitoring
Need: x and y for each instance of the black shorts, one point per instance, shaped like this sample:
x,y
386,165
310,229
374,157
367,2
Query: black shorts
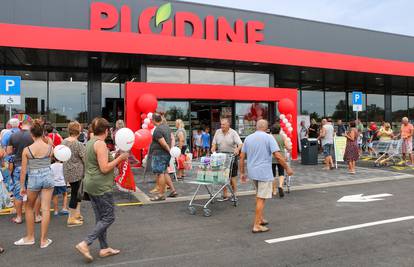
x,y
235,168
280,170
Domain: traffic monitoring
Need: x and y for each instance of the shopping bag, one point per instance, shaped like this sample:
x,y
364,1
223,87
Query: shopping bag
x,y
125,180
181,162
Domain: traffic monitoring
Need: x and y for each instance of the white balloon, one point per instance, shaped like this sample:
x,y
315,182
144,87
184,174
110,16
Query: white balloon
x,y
144,126
124,139
149,116
147,121
282,116
62,153
175,152
288,125
284,135
285,120
288,139
290,129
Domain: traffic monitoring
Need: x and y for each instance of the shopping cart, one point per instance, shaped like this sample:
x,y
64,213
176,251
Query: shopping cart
x,y
213,174
391,154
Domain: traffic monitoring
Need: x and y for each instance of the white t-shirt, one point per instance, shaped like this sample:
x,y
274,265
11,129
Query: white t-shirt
x,y
57,169
329,134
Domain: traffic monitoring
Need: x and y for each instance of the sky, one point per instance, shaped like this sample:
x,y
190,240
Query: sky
x,y
395,16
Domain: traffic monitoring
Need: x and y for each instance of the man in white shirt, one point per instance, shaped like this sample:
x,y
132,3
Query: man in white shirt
x,y
326,136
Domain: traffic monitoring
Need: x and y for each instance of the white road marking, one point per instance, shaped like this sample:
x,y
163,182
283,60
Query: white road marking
x,y
361,198
335,230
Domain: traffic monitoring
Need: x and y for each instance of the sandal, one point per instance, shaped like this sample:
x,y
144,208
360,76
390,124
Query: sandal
x,y
48,243
173,194
109,252
38,219
157,198
21,242
1,250
85,253
262,229
14,220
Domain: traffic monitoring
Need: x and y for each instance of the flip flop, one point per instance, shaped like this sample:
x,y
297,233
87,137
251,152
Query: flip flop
x,y
109,253
14,220
264,222
86,254
1,250
48,243
261,230
21,242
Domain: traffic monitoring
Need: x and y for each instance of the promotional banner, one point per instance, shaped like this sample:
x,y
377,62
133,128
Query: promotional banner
x,y
339,145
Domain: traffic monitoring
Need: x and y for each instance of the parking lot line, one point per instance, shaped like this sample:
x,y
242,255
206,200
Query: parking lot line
x,y
335,230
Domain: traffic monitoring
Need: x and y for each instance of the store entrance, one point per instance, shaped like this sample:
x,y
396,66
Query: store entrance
x,y
113,110
207,114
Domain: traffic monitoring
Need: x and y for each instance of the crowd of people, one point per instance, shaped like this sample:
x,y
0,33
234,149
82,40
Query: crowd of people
x,y
360,140
33,178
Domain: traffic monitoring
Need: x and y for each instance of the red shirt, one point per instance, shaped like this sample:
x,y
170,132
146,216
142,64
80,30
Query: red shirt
x,y
56,139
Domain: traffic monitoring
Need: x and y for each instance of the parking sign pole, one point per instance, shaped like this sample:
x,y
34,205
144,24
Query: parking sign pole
x,y
10,112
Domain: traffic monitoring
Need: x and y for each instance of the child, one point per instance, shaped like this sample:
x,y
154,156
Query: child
x,y
197,142
205,137
60,188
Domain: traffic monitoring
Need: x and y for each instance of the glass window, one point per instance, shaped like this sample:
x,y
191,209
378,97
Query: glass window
x,y
311,75
247,114
334,77
33,93
312,101
68,97
399,107
110,87
173,110
167,75
252,79
209,76
335,104
375,107
287,73
356,78
411,106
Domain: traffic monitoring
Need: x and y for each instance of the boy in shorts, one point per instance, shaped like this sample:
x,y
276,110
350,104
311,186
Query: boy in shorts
x,y
60,188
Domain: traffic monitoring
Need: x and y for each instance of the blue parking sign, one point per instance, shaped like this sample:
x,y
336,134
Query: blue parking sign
x,y
10,85
357,98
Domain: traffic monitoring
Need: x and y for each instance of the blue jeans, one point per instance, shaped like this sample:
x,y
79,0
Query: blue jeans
x,y
16,183
103,207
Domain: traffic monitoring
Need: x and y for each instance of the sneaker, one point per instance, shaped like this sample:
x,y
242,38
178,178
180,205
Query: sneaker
x,y
222,199
281,192
64,212
55,213
73,222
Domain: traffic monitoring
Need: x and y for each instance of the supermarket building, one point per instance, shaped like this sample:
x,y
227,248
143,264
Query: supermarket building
x,y
75,58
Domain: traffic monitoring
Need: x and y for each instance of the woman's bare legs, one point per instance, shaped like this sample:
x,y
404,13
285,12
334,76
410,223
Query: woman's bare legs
x,y
45,200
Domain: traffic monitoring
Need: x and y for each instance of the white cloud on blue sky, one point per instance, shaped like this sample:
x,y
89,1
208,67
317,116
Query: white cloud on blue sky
x,y
394,16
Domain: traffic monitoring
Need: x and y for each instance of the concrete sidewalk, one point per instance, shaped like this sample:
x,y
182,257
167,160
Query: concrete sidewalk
x,y
306,176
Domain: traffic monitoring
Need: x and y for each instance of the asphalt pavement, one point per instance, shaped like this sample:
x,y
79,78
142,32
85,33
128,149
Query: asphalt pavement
x,y
166,235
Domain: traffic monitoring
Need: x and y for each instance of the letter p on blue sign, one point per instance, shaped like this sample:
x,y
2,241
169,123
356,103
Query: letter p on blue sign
x,y
10,85
356,98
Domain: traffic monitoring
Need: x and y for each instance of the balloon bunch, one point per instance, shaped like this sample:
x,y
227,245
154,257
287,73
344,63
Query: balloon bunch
x,y
286,108
286,125
146,105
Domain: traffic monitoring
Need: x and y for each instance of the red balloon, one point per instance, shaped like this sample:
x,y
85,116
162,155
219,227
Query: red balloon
x,y
143,116
285,129
150,126
136,152
143,139
147,103
289,117
286,106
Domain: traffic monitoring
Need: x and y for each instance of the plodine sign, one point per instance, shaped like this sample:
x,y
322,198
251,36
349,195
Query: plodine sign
x,y
104,16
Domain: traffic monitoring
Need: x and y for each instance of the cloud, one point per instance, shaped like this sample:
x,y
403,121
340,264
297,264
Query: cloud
x,y
393,16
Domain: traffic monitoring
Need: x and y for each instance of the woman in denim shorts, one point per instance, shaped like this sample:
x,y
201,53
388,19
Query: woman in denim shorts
x,y
36,160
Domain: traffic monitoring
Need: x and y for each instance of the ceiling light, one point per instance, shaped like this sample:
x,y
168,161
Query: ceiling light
x,y
256,64
71,79
182,58
114,78
133,79
94,58
27,74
